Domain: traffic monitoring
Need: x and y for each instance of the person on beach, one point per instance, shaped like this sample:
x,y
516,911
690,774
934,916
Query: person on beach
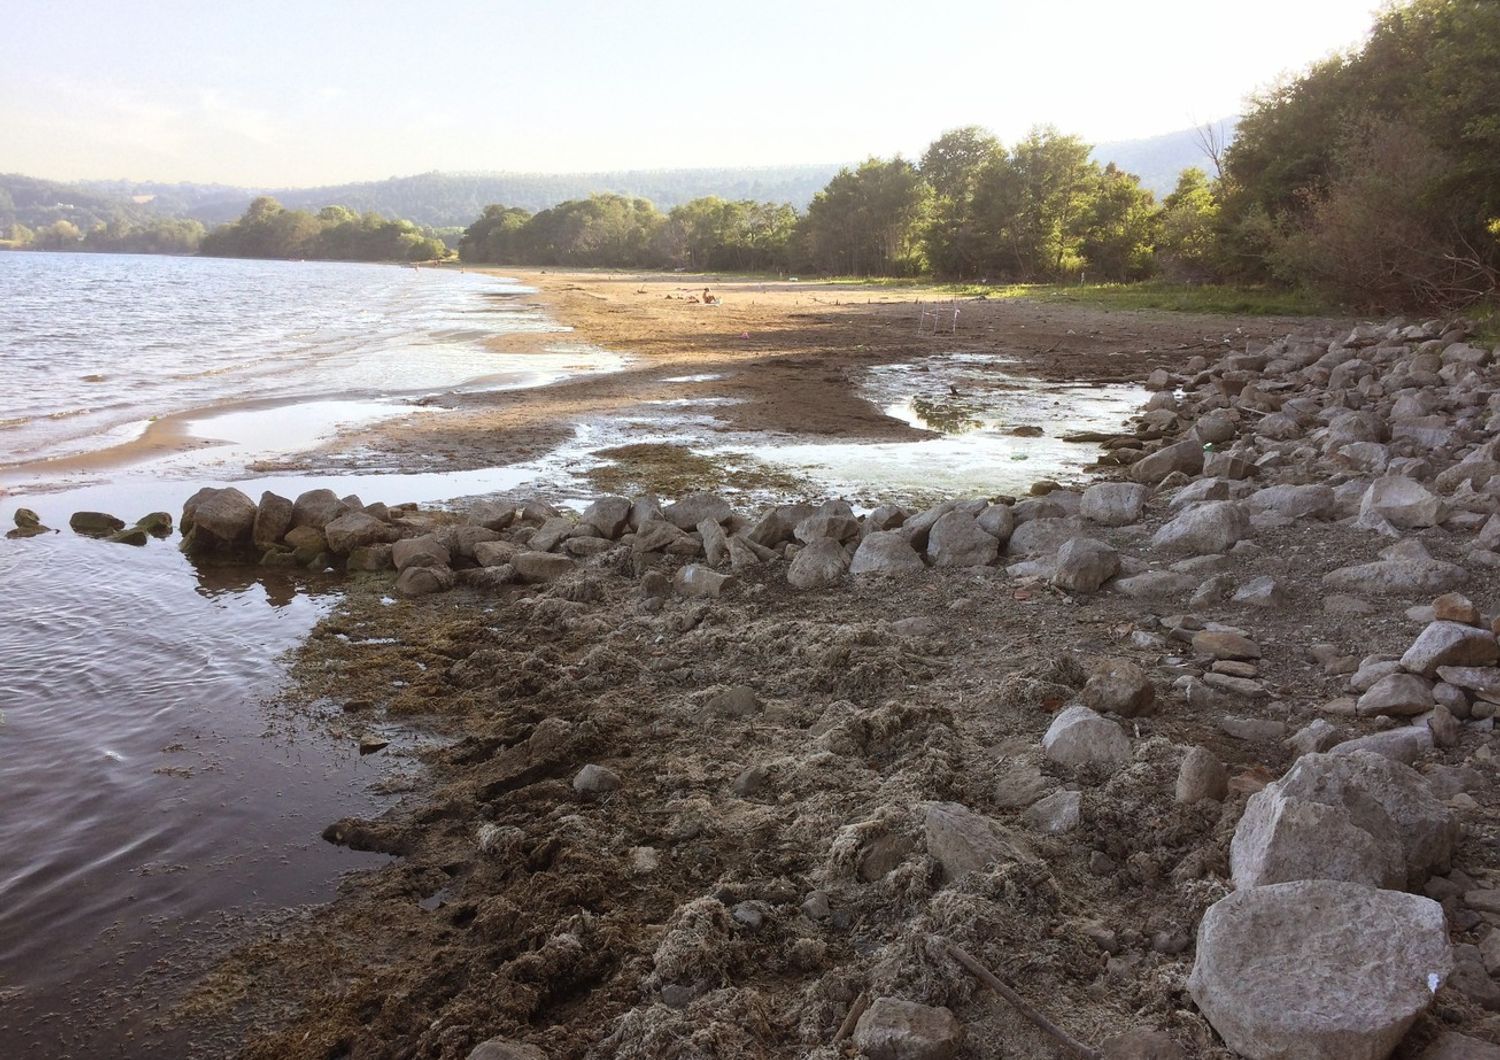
x,y
708,299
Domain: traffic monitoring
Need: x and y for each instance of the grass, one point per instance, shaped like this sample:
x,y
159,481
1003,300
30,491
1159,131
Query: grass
x,y
1152,294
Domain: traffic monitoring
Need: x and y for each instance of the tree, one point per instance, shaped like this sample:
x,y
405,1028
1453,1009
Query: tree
x,y
1188,241
59,235
868,221
1119,227
952,165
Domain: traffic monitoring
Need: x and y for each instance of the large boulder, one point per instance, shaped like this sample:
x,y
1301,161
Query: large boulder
x,y
1318,969
1315,501
819,565
1215,526
893,1029
424,551
541,566
95,524
1084,565
1406,568
696,507
1413,831
224,521
356,530
317,508
424,581
1114,503
1079,737
1186,457
273,518
777,525
1450,644
1037,537
608,515
1397,696
836,525
1281,838
961,841
956,540
1403,502
886,552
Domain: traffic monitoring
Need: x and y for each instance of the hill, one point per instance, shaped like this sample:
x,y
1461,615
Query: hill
x,y
1158,159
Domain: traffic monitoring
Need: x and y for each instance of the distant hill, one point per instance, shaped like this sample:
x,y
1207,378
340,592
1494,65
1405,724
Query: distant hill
x,y
33,203
445,199
456,199
1158,159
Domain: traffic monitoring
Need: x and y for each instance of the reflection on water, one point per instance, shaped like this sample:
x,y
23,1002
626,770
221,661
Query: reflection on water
x,y
147,790
976,407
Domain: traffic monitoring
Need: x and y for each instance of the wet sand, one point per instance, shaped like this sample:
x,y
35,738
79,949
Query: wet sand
x,y
785,359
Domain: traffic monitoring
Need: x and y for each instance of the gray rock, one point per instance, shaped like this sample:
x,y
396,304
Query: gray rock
x,y
1183,456
1084,565
893,1029
1263,591
273,518
1397,575
1294,502
956,540
541,566
1398,696
355,530
1224,644
1214,526
1316,736
998,521
715,542
1483,681
962,841
1078,737
608,515
696,507
424,581
550,534
1201,776
1056,814
424,551
658,535
1318,969
1450,644
886,552
1388,800
505,1049
317,508
1402,502
777,526
838,526
593,779
495,553
1020,785
1114,503
644,509
1281,838
696,580
492,515
1154,583
224,520
1120,687
737,701
1400,745
819,565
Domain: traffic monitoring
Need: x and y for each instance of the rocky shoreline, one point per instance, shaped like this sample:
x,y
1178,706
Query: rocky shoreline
x,y
1197,758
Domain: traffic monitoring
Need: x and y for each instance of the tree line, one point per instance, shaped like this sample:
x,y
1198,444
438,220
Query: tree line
x,y
266,230
1373,178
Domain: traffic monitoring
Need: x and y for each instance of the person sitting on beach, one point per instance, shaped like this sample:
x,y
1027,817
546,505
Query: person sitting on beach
x,y
708,299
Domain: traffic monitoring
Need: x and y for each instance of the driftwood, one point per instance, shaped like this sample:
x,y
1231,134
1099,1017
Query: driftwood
x,y
856,1010
988,978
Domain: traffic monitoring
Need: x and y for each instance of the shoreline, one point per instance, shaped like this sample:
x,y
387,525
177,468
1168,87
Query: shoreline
x,y
706,808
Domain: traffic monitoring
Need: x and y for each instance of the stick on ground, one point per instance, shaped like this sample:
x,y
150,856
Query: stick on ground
x,y
988,978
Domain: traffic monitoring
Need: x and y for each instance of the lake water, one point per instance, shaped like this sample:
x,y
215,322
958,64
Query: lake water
x,y
155,792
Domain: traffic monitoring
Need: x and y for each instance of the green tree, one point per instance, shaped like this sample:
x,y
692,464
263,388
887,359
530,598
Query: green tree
x,y
868,221
1119,228
952,165
1188,244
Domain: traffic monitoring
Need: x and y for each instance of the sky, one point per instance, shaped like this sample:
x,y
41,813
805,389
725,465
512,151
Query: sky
x,y
279,94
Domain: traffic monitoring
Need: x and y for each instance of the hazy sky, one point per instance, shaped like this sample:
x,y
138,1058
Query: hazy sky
x,y
325,91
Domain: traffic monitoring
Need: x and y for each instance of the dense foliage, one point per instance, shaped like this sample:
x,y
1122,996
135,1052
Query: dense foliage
x,y
336,233
1376,175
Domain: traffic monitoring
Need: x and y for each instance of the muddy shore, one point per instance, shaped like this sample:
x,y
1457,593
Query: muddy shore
x,y
753,855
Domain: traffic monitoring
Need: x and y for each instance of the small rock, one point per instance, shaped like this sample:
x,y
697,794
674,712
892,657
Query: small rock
x,y
738,701
1201,776
1114,503
1058,813
424,581
592,779
819,565
1397,695
893,1029
424,551
1121,687
1079,737
696,580
1455,607
95,524
1211,527
1450,644
886,552
1264,591
541,566
961,841
1084,565
505,1049
1225,644
956,540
